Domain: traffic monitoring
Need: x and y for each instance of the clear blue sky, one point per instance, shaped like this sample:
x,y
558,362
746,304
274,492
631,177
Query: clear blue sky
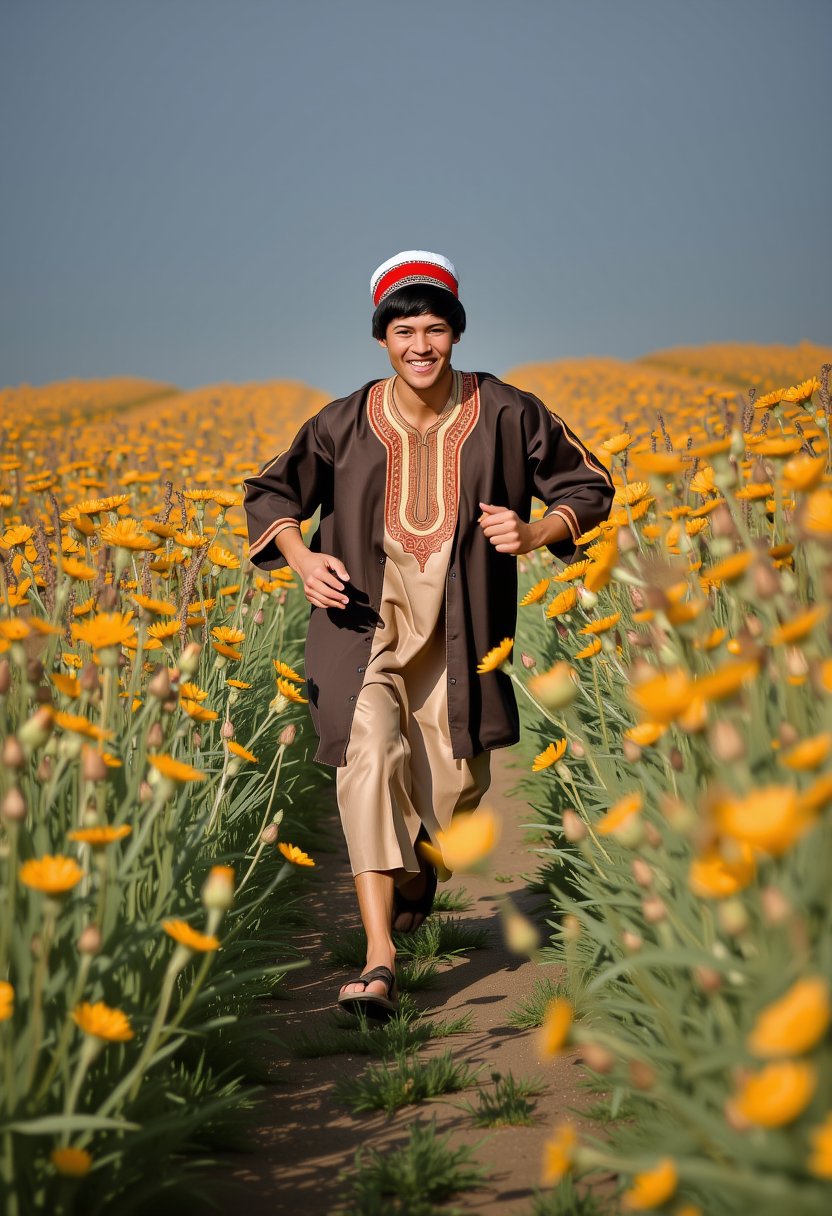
x,y
199,190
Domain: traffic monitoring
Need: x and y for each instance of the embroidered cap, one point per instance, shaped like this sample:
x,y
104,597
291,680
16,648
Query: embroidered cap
x,y
413,266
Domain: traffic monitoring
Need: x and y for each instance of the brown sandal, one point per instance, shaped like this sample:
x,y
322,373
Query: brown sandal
x,y
373,1004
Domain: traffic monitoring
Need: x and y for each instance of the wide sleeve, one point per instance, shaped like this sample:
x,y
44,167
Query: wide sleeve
x,y
565,475
288,490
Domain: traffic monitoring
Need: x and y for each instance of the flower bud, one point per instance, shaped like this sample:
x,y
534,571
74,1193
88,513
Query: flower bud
x,y
555,688
632,751
732,917
652,834
632,941
244,610
527,660
766,581
197,738
13,755
93,766
587,599
577,749
36,730
189,658
787,734
707,979
159,684
598,1058
218,888
89,941
642,873
776,908
259,617
13,807
574,828
269,834
642,1074
5,677
676,760
44,769
155,736
726,741
571,927
521,936
227,729
654,909
88,679
145,791
287,735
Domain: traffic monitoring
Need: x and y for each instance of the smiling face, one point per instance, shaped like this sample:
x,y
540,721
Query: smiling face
x,y
419,349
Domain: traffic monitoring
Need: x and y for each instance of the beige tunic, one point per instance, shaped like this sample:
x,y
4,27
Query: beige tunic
x,y
400,771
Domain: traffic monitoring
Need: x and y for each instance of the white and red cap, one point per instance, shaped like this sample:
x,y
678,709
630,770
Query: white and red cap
x,y
413,266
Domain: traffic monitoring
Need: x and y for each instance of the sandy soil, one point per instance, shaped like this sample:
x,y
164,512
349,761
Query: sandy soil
x,y
306,1139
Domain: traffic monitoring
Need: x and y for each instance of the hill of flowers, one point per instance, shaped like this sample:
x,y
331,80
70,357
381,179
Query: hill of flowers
x,y
677,692
153,788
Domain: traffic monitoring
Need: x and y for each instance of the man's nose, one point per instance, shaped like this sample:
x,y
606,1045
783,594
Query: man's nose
x,y
421,344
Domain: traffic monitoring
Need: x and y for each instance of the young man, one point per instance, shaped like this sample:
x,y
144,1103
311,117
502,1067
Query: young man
x,y
425,481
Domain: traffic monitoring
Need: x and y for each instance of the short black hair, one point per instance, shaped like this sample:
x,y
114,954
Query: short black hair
x,y
417,300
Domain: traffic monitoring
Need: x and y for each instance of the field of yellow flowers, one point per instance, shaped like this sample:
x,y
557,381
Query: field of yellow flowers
x,y
678,679
149,710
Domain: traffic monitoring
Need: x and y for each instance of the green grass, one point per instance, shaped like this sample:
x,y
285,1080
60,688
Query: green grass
x,y
510,1103
414,1179
403,1081
442,940
504,878
407,1031
529,1013
417,975
456,900
565,1200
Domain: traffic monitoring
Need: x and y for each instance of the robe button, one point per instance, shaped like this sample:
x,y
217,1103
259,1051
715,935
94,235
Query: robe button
x,y
359,669
452,680
352,698
381,561
453,574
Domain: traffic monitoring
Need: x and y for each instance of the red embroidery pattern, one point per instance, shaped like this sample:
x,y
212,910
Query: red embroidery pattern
x,y
422,488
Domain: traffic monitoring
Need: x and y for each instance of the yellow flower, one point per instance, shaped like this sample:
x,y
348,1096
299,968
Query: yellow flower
x,y
68,685
289,673
770,818
725,681
799,627
78,570
102,1022
190,938
662,464
6,1000
777,1094
163,630
496,656
19,535
646,733
795,1023
799,393
297,856
556,687
617,443
602,625
713,876
218,556
236,684
664,696
536,593
619,814
549,756
106,629
820,1162
470,838
198,712
591,650
558,1154
554,1029
289,691
79,725
632,493
569,573
97,838
127,534
728,570
54,875
176,770
804,472
652,1188
157,607
240,751
71,1162
563,602
809,753
817,513
223,633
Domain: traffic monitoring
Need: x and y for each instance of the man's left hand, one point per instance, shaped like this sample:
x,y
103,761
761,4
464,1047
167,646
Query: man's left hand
x,y
506,531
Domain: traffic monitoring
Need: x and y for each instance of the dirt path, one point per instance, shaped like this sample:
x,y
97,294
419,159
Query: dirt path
x,y
306,1138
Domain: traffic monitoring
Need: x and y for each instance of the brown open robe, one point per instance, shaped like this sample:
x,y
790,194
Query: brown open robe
x,y
506,449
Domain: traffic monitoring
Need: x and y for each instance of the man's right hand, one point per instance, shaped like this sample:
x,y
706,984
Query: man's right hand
x,y
324,577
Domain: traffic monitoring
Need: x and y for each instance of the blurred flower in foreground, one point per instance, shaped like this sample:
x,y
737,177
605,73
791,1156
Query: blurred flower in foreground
x,y
652,1188
71,1162
777,1094
794,1024
467,842
558,1154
